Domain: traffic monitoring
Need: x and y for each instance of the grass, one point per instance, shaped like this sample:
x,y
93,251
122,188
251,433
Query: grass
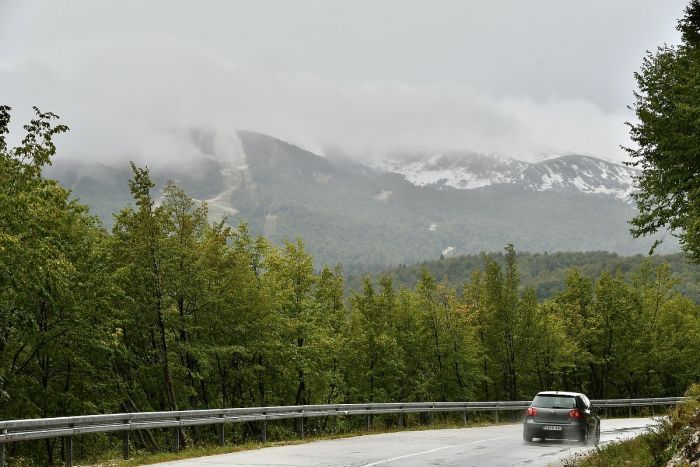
x,y
654,448
635,452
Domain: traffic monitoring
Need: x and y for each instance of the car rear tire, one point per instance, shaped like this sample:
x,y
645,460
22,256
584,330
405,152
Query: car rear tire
x,y
527,436
583,436
597,435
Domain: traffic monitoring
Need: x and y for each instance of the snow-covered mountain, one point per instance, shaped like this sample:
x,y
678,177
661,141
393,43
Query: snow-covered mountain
x,y
584,174
416,209
580,173
458,171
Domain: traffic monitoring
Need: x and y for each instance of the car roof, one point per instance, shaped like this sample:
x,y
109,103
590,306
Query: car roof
x,y
559,393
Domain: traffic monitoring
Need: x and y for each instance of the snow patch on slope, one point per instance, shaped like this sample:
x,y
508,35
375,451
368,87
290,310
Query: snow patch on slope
x,y
583,174
383,196
453,170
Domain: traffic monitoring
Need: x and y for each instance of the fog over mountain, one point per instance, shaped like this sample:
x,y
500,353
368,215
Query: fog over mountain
x,y
364,216
380,132
524,80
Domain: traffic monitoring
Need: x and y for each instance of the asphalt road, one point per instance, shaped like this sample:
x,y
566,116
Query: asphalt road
x,y
500,445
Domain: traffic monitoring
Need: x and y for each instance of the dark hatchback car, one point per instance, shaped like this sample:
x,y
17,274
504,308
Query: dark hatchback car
x,y
561,415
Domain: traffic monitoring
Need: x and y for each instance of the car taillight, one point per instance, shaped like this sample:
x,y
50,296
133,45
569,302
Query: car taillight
x,y
576,413
531,412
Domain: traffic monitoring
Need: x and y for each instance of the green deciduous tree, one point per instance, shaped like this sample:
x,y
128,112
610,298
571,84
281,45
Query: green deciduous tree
x,y
504,319
140,253
371,356
56,297
667,137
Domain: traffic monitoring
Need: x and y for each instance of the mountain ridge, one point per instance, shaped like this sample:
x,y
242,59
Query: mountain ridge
x,y
587,174
355,214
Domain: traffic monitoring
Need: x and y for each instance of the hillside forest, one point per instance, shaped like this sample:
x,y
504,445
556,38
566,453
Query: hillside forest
x,y
168,311
544,272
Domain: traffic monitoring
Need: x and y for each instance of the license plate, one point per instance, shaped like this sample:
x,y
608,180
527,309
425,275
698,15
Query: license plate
x,y
551,428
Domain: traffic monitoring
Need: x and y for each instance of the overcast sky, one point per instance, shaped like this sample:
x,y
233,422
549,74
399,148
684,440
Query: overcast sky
x,y
524,79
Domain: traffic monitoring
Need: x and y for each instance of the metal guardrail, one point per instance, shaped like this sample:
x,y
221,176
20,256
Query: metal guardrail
x,y
67,427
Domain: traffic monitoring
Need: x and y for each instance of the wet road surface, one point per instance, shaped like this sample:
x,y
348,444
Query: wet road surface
x,y
500,445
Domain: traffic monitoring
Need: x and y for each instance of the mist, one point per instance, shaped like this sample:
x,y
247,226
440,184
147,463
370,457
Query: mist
x,y
403,77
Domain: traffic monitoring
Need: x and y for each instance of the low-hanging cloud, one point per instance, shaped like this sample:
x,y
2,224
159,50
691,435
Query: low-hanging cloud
x,y
127,100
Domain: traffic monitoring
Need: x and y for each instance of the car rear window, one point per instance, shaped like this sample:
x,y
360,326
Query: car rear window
x,y
554,402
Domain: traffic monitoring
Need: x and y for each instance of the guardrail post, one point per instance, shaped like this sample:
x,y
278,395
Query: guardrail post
x,y
652,408
263,431
176,439
629,410
299,423
222,431
69,451
401,420
125,441
369,422
432,414
125,446
496,413
2,449
464,417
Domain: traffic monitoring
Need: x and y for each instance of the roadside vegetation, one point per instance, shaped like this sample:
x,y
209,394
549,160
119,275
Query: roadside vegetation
x,y
675,441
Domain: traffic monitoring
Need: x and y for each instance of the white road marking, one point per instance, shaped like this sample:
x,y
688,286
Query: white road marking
x,y
384,461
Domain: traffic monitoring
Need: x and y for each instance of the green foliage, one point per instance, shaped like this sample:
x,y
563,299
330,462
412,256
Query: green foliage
x,y
372,359
170,312
543,272
504,317
635,452
55,293
669,440
667,136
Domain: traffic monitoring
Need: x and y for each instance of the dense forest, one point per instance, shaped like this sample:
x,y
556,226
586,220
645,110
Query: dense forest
x,y
167,311
543,272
